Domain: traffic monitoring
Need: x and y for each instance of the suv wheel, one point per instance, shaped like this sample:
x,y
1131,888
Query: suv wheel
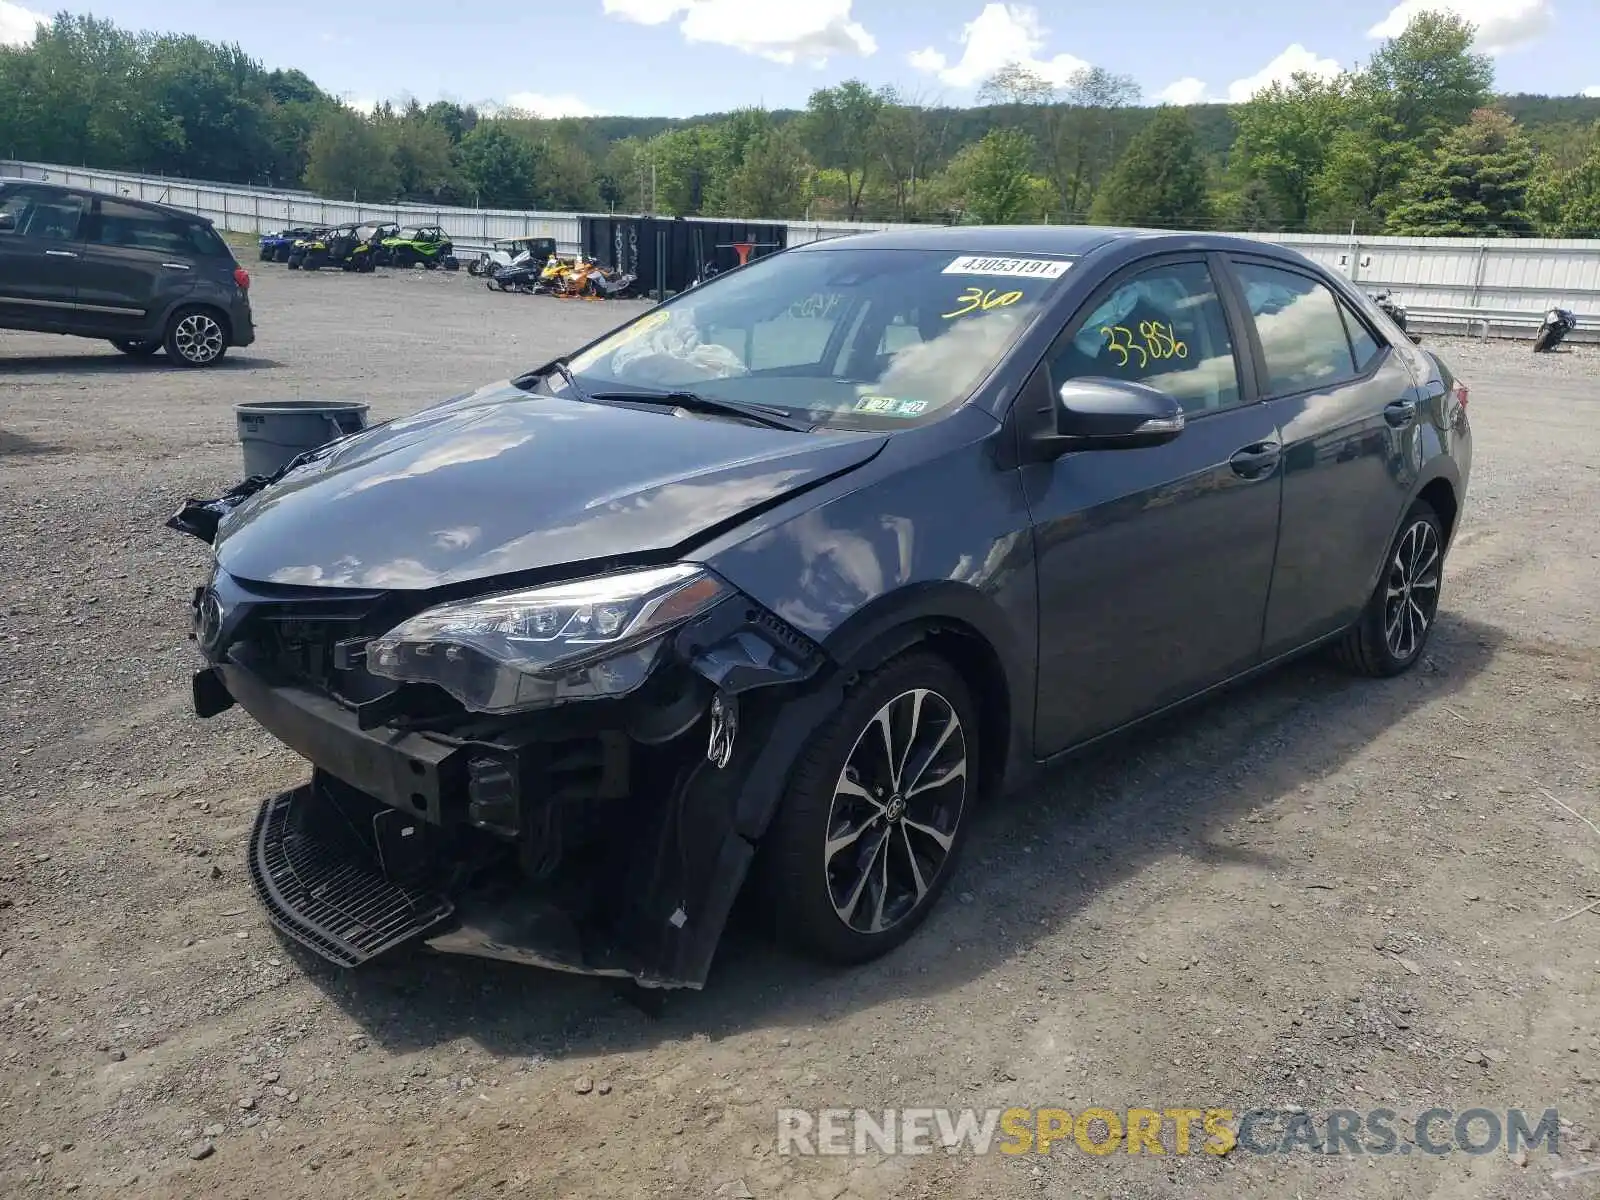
x,y
195,338
137,347
875,812
1394,627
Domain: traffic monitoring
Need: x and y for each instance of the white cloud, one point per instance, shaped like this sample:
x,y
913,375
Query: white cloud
x,y
1187,90
784,31
541,104
1592,92
1001,34
365,105
1502,24
1293,61
18,24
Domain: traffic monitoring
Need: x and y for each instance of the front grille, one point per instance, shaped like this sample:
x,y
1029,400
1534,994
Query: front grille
x,y
326,893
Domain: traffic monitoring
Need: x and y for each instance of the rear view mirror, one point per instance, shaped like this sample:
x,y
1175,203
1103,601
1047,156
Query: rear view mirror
x,y
8,222
1114,414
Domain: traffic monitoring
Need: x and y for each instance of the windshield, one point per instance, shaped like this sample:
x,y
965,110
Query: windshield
x,y
409,234
869,338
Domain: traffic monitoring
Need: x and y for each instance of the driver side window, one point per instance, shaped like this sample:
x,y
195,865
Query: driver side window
x,y
1164,327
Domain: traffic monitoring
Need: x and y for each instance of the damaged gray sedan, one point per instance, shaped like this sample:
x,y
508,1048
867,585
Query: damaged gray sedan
x,y
776,581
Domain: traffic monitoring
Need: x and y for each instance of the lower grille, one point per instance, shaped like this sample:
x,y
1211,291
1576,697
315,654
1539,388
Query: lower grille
x,y
329,896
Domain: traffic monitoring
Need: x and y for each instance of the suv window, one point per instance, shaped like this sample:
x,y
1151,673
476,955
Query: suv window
x,y
43,213
1303,336
1164,327
135,228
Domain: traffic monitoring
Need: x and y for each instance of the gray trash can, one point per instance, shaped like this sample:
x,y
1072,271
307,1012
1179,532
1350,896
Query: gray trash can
x,y
273,431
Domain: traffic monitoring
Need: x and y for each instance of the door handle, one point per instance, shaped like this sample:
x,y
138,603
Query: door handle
x,y
1256,461
176,266
1401,412
61,254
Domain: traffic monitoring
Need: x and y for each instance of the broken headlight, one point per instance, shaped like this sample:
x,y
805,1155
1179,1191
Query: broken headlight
x,y
547,645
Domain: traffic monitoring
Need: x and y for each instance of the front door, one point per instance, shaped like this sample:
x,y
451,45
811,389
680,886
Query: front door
x,y
40,252
1154,564
1350,412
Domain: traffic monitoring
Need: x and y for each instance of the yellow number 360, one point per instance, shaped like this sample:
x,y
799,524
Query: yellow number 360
x,y
975,299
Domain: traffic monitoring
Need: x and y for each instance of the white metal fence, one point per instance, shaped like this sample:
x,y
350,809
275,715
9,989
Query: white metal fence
x,y
1489,282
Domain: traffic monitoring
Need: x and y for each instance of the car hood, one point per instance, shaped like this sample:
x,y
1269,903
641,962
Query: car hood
x,y
502,480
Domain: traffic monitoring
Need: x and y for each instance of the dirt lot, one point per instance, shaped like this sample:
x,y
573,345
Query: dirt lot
x,y
1317,891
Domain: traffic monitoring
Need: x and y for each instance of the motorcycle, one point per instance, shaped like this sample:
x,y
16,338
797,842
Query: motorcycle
x,y
1392,307
1558,322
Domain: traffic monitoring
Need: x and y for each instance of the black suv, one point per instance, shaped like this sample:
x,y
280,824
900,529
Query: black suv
x,y
142,276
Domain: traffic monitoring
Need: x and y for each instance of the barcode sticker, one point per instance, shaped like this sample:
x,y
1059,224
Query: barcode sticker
x,y
1025,268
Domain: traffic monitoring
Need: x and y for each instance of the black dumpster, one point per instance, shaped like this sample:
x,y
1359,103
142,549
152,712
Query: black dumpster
x,y
670,253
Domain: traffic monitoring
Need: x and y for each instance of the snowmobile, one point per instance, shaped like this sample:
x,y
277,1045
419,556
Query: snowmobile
x,y
1558,322
509,252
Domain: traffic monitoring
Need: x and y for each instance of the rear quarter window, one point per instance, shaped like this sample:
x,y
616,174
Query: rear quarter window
x,y
207,242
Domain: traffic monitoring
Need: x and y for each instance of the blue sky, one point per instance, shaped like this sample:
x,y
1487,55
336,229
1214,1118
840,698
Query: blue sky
x,y
681,57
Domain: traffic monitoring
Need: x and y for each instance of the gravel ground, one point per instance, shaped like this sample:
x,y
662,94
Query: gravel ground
x,y
1317,891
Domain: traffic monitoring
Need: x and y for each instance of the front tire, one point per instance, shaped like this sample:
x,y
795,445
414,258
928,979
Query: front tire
x,y
1393,629
196,337
875,812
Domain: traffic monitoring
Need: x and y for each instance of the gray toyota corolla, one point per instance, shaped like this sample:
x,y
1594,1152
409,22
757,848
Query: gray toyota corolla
x,y
785,577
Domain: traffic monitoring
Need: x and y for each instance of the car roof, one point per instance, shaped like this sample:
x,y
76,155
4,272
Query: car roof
x,y
1065,240
166,210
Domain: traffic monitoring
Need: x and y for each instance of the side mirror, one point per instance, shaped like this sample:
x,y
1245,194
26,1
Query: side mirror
x,y
8,222
1113,414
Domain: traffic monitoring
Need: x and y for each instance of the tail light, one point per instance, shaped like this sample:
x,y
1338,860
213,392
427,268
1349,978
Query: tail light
x,y
242,278
1461,394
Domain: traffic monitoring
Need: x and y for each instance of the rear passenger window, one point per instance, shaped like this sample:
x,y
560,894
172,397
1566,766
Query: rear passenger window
x,y
134,228
1163,327
1302,334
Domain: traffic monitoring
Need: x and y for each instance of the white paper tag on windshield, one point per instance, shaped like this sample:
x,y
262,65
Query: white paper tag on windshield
x,y
1028,268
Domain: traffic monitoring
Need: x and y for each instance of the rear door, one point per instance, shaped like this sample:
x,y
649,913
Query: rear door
x,y
136,262
40,252
1349,410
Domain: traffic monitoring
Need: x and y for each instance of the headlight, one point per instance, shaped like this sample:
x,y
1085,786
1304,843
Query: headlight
x,y
545,646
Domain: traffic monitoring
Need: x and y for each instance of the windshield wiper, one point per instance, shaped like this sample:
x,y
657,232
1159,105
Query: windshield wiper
x,y
775,418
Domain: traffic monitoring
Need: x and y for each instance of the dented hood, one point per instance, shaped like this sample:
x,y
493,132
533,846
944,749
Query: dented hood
x,y
504,480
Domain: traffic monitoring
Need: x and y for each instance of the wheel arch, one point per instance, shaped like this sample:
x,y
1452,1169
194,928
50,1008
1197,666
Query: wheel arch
x,y
965,627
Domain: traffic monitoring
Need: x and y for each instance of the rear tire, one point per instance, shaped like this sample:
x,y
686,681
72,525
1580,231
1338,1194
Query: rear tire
x,y
853,862
1393,629
196,337
137,347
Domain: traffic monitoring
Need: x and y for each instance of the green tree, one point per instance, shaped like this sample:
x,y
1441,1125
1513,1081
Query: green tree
x,y
500,169
1160,180
1566,201
840,128
683,162
347,157
423,157
771,180
1285,135
1474,185
991,181
1428,80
